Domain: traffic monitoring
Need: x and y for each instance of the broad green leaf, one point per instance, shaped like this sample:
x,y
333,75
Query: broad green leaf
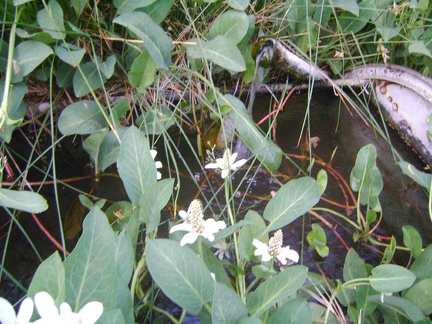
x,y
142,72
64,77
79,6
422,178
92,146
82,117
422,266
214,265
110,148
135,164
412,240
91,267
322,180
317,240
354,23
400,306
107,67
220,51
27,201
16,109
354,266
180,273
294,311
245,246
292,200
112,316
347,5
124,257
156,120
388,33
124,303
365,177
70,54
298,13
238,4
391,278
124,6
158,10
19,2
232,24
275,289
50,19
227,306
88,78
267,152
27,56
49,277
153,200
419,47
421,295
156,41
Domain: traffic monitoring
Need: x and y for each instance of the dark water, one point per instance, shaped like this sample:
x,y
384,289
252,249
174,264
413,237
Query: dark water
x,y
403,202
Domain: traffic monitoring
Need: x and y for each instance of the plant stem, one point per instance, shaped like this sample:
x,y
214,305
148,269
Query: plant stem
x,y
140,266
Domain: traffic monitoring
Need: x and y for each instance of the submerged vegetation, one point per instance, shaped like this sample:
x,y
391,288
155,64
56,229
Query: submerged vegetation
x,y
138,81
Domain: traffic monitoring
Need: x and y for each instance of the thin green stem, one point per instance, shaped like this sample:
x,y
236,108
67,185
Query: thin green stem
x,y
140,266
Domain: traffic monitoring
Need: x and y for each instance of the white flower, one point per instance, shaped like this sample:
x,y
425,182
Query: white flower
x,y
8,315
49,313
226,163
195,224
275,249
222,249
157,163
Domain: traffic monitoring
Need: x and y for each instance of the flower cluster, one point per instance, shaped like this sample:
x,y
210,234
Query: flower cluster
x,y
48,312
226,163
275,249
195,224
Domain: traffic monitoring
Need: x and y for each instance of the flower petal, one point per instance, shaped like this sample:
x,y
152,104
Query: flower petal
x,y
288,254
182,214
158,164
46,307
25,311
91,312
189,238
153,154
224,173
261,249
181,227
212,166
7,312
238,164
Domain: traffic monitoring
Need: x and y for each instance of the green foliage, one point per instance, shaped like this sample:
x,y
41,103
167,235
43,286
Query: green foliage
x,y
317,240
22,200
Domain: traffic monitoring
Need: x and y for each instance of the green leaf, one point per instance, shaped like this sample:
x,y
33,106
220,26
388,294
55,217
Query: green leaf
x,y
50,19
142,72
158,10
124,6
28,55
292,200
19,2
227,306
64,76
27,201
124,257
92,146
153,200
263,148
412,240
220,51
49,277
87,79
294,311
354,266
419,47
135,164
347,5
322,180
156,120
400,306
180,273
107,67
70,54
232,24
82,117
387,33
422,178
365,177
238,4
91,267
110,148
317,240
421,295
16,109
157,43
422,266
275,289
79,6
391,278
